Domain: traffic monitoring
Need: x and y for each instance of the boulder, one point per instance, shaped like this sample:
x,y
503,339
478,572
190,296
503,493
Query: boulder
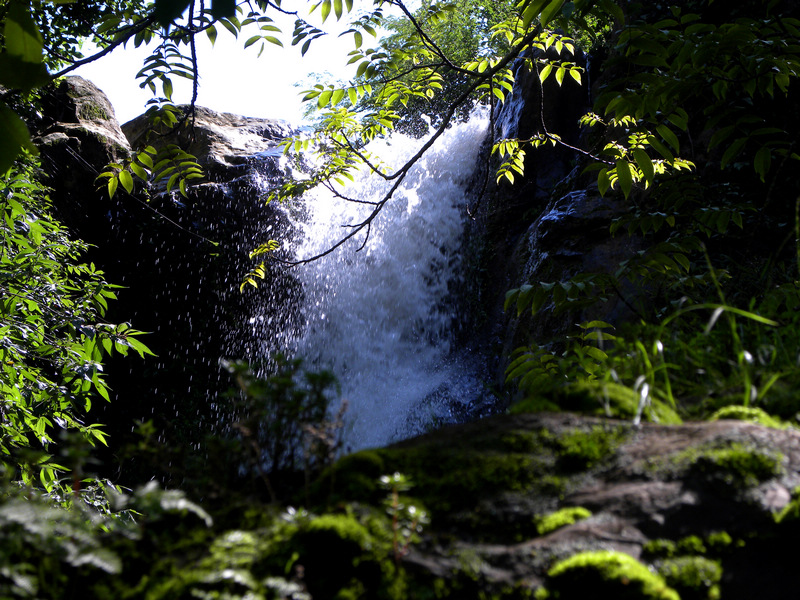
x,y
78,135
720,494
227,145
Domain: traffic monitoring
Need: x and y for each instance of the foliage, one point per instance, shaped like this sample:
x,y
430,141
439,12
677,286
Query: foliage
x,y
54,338
462,33
174,550
701,326
411,68
282,419
407,518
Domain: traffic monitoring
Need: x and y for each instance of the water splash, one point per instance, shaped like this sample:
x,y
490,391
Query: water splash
x,y
381,318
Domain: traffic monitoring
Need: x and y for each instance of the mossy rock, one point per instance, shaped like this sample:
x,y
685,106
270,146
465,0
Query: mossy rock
x,y
454,475
580,449
93,112
606,575
693,577
724,465
735,466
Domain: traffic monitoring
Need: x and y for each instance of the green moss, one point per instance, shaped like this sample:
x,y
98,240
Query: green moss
x,y
691,545
606,574
579,449
659,549
92,112
561,518
736,465
745,413
355,477
693,577
727,465
454,476
718,541
534,404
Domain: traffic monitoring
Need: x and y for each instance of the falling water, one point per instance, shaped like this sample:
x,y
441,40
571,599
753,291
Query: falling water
x,y
381,318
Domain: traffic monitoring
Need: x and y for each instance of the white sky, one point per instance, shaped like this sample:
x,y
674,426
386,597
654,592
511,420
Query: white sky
x,y
232,79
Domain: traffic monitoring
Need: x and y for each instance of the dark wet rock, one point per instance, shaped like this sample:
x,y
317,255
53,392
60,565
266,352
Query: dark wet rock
x,y
180,259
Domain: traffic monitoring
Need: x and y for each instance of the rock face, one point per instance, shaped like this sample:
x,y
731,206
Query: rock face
x,y
180,259
551,224
226,144
672,497
77,135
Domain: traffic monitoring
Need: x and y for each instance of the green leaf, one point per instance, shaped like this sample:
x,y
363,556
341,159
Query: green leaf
x,y
624,176
166,11
532,10
324,98
112,186
167,87
145,159
223,8
337,8
15,138
15,73
644,163
668,136
732,151
22,38
603,181
550,11
227,24
762,162
126,180
325,10
211,32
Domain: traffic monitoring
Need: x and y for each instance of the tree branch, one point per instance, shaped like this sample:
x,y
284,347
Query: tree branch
x,y
399,176
134,29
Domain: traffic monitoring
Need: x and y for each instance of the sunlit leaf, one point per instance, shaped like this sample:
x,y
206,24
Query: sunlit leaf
x,y
624,176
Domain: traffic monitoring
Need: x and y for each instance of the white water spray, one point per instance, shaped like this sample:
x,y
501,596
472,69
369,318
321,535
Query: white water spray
x,y
381,318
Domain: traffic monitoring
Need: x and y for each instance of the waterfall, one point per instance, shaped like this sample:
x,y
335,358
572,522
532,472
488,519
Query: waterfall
x,y
381,318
